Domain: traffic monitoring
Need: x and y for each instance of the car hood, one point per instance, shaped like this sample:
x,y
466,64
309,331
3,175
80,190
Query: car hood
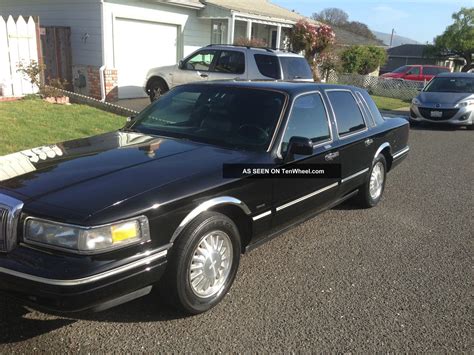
x,y
90,174
392,75
448,99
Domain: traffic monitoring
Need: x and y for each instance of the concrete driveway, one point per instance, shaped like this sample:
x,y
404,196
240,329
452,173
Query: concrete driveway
x,y
395,278
134,104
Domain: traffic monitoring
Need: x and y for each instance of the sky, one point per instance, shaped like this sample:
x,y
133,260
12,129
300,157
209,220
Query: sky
x,y
420,20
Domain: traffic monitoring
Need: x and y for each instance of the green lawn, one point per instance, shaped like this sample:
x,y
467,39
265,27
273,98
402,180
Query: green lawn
x,y
388,103
31,123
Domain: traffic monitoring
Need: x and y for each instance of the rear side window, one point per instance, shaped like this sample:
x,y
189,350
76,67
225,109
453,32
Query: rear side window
x,y
295,68
348,116
430,71
268,65
232,62
308,118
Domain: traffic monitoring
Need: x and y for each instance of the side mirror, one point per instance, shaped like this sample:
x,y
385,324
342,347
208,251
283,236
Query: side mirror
x,y
180,64
130,119
300,146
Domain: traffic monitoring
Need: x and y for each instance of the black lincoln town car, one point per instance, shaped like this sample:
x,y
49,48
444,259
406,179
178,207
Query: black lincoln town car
x,y
96,222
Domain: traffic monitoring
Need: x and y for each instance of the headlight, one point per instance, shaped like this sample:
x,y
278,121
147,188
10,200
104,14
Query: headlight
x,y
465,103
415,101
87,239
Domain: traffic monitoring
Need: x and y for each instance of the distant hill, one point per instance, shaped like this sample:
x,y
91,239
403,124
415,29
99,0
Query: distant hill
x,y
397,40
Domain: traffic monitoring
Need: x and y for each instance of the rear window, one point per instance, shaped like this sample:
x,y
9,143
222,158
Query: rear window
x,y
295,68
268,65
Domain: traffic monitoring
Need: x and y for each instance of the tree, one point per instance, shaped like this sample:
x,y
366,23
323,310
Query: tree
x,y
332,16
339,18
312,39
458,38
362,59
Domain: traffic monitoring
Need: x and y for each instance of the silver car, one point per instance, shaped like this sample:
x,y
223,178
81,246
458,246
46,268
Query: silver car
x,y
224,62
448,98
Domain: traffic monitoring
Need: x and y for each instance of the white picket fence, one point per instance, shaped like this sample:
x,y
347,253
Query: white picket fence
x,y
18,43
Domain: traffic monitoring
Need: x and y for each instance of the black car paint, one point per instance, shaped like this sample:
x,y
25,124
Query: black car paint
x,y
122,174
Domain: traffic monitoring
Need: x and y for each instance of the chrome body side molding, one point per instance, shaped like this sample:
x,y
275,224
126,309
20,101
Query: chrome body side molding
x,y
262,215
205,206
354,175
291,203
401,152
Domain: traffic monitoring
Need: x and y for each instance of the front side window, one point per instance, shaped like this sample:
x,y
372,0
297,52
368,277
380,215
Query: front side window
x,y
308,118
414,71
348,115
230,117
232,62
268,65
200,61
401,69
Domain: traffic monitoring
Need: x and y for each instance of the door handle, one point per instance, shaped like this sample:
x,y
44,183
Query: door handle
x,y
369,141
331,156
204,75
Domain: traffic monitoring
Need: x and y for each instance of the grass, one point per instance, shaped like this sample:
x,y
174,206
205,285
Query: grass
x,y
31,123
388,103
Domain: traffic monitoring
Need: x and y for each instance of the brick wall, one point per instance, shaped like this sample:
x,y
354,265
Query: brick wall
x,y
111,89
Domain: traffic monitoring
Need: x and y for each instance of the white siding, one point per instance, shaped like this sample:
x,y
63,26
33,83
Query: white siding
x,y
194,32
82,16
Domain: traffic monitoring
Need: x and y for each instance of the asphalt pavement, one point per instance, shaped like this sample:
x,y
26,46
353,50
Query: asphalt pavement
x,y
398,277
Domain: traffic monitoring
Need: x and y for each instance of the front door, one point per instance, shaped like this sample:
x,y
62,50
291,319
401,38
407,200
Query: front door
x,y
296,197
196,67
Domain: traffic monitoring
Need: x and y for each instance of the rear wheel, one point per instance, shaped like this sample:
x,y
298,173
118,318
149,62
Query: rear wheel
x,y
371,192
156,88
202,264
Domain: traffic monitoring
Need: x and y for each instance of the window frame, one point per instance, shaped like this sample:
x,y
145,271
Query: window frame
x,y
290,111
365,106
211,65
351,134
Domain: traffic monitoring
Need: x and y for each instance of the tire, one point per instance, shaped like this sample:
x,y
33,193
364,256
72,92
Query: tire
x,y
183,265
156,88
413,123
470,127
368,198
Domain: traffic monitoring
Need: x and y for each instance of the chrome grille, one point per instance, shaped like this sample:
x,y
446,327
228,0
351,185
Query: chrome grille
x,y
10,209
3,229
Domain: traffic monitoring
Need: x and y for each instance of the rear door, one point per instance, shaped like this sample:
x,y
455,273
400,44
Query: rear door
x,y
229,64
354,145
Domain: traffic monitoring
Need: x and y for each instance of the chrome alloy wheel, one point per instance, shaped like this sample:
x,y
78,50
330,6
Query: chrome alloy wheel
x,y
211,263
376,180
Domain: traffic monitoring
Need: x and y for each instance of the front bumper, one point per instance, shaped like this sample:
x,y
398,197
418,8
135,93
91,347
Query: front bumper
x,y
459,117
97,291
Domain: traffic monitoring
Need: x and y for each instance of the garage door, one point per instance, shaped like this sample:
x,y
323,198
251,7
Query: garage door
x,y
139,46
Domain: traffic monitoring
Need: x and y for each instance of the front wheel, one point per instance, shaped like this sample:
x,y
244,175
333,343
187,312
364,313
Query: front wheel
x,y
371,192
156,88
203,263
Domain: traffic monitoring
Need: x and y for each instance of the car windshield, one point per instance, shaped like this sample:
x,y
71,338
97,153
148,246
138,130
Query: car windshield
x,y
401,69
233,117
295,68
461,85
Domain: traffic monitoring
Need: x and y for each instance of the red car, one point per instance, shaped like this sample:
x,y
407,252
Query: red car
x,y
416,72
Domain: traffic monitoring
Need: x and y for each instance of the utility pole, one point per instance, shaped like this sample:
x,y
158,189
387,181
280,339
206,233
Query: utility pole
x,y
391,37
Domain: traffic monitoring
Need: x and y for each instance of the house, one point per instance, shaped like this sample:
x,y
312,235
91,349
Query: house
x,y
115,42
407,54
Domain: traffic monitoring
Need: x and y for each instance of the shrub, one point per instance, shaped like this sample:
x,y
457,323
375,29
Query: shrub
x,y
362,59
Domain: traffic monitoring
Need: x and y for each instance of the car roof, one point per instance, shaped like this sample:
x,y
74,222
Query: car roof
x,y
456,75
292,88
259,50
